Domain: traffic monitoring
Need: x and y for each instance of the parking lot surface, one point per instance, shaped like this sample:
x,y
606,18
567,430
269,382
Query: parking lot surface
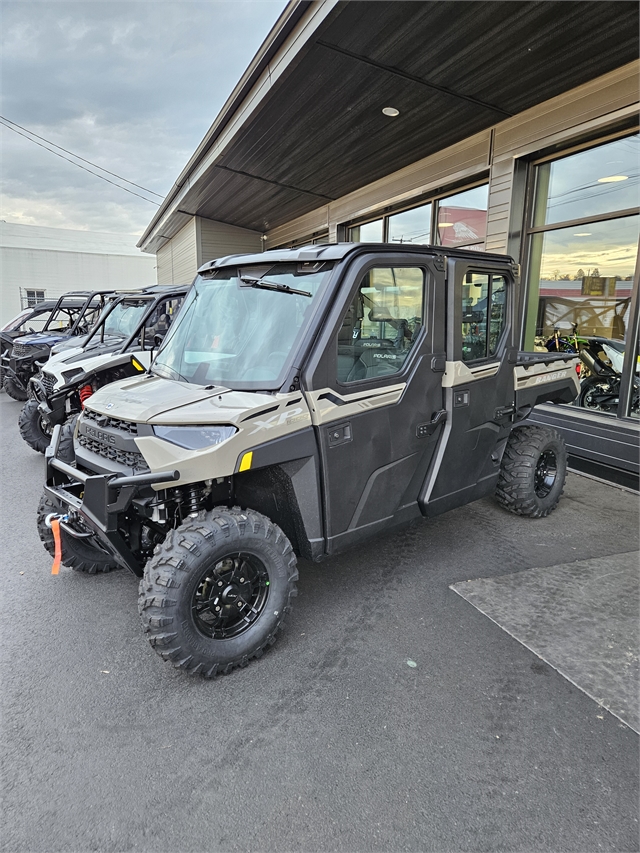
x,y
389,716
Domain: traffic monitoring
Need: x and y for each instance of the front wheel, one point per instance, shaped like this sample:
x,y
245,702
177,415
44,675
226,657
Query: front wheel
x,y
13,389
532,472
34,430
217,590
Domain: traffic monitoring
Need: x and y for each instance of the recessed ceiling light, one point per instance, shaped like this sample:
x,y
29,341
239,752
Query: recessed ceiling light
x,y
391,111
445,224
583,234
612,179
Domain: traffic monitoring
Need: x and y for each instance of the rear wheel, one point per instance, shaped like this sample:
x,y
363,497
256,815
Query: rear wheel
x,y
532,472
33,428
82,555
217,590
13,389
598,394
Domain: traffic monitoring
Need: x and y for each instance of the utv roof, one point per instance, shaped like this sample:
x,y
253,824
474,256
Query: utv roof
x,y
339,251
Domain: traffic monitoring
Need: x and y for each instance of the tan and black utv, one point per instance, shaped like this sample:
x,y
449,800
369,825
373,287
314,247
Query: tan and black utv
x,y
303,401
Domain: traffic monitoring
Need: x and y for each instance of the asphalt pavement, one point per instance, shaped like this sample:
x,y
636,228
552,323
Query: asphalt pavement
x,y
389,716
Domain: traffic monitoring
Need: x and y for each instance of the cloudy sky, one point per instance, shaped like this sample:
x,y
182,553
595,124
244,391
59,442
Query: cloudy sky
x,y
131,86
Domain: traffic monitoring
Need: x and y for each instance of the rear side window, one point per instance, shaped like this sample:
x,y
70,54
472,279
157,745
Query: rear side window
x,y
484,314
382,323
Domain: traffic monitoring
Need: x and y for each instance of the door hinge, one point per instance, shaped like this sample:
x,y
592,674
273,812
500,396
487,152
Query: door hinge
x,y
423,430
504,412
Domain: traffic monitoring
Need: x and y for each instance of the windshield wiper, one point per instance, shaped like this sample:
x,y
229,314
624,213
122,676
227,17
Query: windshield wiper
x,y
254,281
156,370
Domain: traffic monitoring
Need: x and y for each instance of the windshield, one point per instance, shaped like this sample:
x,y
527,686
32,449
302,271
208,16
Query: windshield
x,y
240,327
124,318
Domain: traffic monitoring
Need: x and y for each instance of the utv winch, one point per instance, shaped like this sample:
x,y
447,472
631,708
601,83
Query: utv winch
x,y
302,402
120,345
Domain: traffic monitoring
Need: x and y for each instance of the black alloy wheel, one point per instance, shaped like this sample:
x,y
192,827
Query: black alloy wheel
x,y
546,473
230,596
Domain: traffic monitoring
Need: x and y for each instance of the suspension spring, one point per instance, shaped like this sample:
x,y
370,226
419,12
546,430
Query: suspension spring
x,y
84,393
195,498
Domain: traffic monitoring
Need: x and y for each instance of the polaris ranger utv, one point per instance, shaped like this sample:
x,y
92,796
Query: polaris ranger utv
x,y
303,401
133,324
73,315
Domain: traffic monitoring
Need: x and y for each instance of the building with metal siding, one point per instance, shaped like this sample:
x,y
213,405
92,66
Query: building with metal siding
x,y
488,94
38,263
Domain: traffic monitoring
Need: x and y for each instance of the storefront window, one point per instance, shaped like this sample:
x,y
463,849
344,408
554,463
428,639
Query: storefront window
x,y
583,247
411,226
462,219
370,232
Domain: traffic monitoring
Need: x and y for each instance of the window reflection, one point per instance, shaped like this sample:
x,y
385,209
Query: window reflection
x,y
462,219
583,278
411,226
590,183
370,232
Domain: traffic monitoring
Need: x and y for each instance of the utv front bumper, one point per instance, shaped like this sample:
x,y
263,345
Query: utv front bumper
x,y
97,502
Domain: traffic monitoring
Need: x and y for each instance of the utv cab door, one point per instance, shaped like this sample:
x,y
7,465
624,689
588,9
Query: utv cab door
x,y
478,383
375,393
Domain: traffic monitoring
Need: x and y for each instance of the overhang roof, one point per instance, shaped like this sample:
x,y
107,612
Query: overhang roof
x,y
284,146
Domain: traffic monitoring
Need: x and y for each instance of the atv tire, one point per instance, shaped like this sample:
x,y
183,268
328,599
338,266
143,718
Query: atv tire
x,y
81,555
532,472
34,430
217,590
65,447
13,389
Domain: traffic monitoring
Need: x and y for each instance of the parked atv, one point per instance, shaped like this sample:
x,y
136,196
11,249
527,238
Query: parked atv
x,y
27,321
73,315
303,401
120,345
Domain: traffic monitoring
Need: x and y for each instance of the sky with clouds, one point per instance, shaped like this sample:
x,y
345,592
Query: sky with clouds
x,y
131,86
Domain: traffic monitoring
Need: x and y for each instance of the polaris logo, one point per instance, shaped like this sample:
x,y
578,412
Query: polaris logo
x,y
384,355
99,435
551,377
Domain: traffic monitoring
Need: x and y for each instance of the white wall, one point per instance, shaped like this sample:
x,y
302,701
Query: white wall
x,y
56,261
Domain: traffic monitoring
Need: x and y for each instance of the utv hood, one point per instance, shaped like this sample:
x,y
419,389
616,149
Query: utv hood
x,y
167,401
43,339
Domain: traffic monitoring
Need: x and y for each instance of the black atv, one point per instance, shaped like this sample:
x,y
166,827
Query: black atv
x,y
73,315
120,345
28,321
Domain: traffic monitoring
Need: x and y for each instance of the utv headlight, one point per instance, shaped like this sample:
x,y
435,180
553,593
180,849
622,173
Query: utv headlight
x,y
194,437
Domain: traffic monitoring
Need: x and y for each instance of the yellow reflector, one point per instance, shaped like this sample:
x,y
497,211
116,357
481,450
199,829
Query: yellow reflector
x,y
136,364
246,461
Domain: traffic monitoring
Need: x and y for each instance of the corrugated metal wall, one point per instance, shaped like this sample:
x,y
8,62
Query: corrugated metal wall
x,y
178,258
217,239
202,240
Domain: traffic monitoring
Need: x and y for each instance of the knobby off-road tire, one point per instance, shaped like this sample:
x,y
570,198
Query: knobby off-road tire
x,y
32,428
65,447
82,555
533,471
217,591
14,390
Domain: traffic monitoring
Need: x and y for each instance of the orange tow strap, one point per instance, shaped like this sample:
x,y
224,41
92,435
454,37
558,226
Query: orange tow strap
x,y
57,557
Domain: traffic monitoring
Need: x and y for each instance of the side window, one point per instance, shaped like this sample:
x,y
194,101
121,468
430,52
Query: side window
x,y
484,314
381,324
